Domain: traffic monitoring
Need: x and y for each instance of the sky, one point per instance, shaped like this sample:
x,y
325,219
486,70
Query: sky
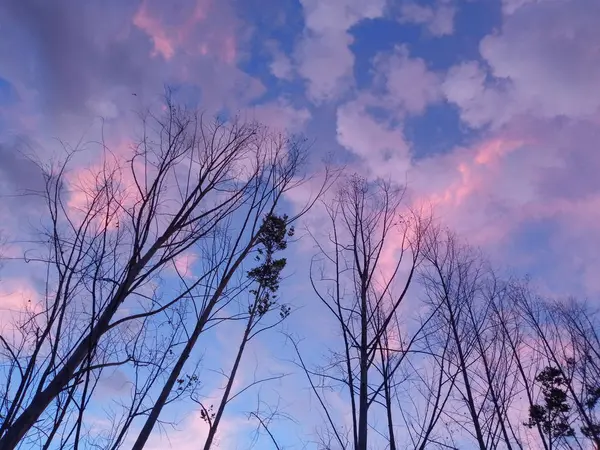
x,y
489,109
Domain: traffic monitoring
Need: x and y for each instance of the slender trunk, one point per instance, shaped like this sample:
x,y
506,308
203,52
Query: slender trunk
x,y
215,424
363,401
490,381
347,345
463,369
185,354
168,387
521,370
388,406
42,399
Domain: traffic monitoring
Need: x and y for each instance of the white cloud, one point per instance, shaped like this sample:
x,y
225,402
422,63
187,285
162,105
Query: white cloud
x,y
281,115
438,19
382,148
408,82
323,54
545,62
466,86
281,66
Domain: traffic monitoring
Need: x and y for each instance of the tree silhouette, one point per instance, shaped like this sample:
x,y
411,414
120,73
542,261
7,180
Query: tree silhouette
x,y
553,414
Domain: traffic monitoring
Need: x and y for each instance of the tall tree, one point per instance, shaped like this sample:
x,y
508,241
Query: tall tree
x,y
556,340
452,279
553,414
189,184
362,274
265,279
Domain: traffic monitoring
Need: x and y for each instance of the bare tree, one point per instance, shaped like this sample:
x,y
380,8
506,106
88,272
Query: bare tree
x,y
363,288
486,350
188,184
520,352
556,330
507,343
274,177
451,280
582,324
468,297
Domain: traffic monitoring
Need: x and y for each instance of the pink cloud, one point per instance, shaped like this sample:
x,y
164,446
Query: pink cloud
x,y
189,30
523,174
184,264
86,183
539,91
467,191
193,432
163,44
467,171
17,299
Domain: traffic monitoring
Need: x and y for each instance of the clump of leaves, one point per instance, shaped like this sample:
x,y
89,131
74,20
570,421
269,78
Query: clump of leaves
x,y
592,399
553,415
207,414
272,237
593,396
187,382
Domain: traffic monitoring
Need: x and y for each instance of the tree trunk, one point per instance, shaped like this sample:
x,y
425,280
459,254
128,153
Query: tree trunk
x,y
363,401
215,424
176,372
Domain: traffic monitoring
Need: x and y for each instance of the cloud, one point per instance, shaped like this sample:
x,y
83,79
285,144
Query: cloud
x,y
381,148
114,383
559,73
529,173
371,125
408,84
184,263
538,84
80,48
438,19
281,65
466,185
323,54
280,115
18,299
543,63
87,187
194,431
510,6
107,60
163,44
184,27
466,86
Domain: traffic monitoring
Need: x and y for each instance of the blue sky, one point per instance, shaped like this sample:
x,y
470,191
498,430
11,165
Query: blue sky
x,y
490,109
